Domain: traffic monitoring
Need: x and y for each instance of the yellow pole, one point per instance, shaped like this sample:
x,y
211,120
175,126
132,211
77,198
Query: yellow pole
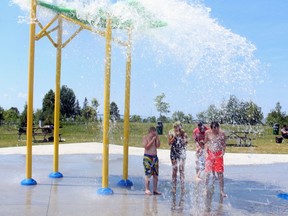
x,y
29,129
105,171
127,109
55,173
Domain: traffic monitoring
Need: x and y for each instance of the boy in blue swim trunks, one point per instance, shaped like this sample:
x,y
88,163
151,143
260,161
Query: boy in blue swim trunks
x,y
150,160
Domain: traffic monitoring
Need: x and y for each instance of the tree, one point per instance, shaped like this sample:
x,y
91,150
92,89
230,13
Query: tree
x,y
38,116
276,115
77,109
85,104
212,113
231,110
88,112
1,115
23,117
48,108
163,118
178,116
201,116
114,112
11,115
68,102
151,119
161,106
253,113
95,105
135,118
188,119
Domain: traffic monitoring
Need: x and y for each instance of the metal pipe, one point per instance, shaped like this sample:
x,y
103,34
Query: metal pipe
x,y
72,36
57,96
105,165
29,128
42,32
127,109
48,36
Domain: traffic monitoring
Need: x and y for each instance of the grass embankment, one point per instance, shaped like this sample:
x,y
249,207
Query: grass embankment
x,y
263,141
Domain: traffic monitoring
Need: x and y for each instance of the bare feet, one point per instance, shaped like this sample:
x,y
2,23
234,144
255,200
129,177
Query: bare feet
x,y
157,193
147,192
182,190
173,190
223,194
198,179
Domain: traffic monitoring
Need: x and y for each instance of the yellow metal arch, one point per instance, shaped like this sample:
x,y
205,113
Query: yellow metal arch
x,y
59,45
108,23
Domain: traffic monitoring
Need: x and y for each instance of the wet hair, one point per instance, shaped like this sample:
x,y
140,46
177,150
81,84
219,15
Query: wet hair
x,y
182,133
200,123
214,124
284,125
151,129
177,124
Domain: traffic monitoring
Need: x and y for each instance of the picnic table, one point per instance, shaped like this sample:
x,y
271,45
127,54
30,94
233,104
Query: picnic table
x,y
47,132
242,137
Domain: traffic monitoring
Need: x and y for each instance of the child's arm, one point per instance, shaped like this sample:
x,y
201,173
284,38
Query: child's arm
x,y
148,144
157,142
171,139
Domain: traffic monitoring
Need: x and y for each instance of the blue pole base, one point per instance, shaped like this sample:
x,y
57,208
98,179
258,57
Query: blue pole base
x,y
28,181
125,183
104,191
283,196
55,175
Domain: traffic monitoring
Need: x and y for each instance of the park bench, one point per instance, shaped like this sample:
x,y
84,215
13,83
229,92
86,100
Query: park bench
x,y
46,132
242,137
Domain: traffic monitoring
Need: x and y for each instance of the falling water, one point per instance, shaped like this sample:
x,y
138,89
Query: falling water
x,y
212,61
191,37
210,56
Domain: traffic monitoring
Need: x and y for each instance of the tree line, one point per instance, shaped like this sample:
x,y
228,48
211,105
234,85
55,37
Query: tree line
x,y
231,111
70,110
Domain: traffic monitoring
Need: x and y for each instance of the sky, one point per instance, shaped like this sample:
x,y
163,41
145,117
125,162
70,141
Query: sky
x,y
263,23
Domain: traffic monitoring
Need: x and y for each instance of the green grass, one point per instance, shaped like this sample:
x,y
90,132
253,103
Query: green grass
x,y
263,141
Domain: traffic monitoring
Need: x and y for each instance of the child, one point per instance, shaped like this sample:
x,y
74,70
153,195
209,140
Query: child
x,y
177,142
200,162
150,160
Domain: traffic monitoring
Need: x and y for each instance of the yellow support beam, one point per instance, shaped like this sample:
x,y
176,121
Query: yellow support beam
x,y
125,182
29,180
72,36
56,173
101,33
59,45
43,31
127,109
47,34
105,161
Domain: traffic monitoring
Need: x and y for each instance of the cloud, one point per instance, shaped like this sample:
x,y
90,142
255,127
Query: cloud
x,y
22,95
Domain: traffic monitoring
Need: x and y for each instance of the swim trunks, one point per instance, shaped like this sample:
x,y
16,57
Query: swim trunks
x,y
151,165
214,162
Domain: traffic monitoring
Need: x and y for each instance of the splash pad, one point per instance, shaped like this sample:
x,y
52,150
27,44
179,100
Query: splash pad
x,y
196,40
104,21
